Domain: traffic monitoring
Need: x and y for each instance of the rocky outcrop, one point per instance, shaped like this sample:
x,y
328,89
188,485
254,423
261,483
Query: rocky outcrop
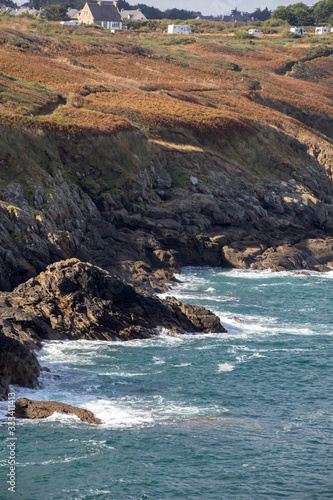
x,y
27,408
76,300
18,364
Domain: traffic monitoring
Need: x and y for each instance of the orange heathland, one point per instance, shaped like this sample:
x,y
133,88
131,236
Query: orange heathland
x,y
163,111
87,80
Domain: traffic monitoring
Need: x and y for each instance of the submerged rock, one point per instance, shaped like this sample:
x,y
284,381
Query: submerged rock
x,y
27,408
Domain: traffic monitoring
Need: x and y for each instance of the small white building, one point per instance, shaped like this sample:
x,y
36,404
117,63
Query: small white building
x,y
179,29
322,30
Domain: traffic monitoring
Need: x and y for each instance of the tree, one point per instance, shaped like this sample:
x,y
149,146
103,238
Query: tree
x,y
281,12
262,15
296,14
150,12
122,4
322,11
178,14
303,14
9,3
55,12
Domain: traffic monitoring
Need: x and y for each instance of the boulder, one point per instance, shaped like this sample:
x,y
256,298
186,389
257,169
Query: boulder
x,y
321,249
27,408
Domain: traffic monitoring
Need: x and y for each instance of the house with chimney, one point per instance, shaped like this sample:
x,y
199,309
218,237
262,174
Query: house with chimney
x,y
104,14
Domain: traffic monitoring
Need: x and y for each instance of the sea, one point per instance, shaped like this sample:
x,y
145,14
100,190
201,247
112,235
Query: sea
x,y
242,415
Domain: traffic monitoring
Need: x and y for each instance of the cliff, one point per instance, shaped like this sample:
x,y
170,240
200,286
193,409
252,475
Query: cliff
x,y
124,158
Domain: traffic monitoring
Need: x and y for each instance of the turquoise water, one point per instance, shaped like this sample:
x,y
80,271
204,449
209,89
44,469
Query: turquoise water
x,y
243,415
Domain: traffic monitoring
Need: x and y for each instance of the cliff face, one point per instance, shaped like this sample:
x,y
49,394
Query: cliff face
x,y
176,206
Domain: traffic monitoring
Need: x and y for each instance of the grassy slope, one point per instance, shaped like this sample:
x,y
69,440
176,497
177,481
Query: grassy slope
x,y
262,105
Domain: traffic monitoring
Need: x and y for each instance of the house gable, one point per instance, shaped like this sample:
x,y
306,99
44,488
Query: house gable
x,y
104,14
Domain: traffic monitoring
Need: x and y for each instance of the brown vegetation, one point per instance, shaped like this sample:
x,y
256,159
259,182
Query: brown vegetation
x,y
74,80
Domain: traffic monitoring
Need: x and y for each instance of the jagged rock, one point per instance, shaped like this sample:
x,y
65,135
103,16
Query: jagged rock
x,y
240,258
321,249
27,408
76,300
204,320
18,363
284,258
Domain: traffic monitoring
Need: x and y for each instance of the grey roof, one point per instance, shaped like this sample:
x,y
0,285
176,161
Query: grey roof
x,y
129,12
73,13
104,12
132,14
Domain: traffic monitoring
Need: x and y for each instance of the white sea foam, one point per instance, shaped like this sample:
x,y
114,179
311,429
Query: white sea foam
x,y
182,365
61,417
121,413
73,352
225,367
158,361
125,374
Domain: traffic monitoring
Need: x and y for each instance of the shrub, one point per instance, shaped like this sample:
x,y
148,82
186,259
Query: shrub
x,y
243,35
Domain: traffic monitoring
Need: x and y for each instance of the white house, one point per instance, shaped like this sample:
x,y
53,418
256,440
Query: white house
x,y
179,28
105,14
322,30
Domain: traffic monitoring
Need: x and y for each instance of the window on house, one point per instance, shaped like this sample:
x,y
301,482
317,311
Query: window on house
x,y
86,12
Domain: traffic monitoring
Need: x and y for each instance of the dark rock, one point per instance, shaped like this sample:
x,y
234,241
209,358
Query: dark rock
x,y
18,363
27,408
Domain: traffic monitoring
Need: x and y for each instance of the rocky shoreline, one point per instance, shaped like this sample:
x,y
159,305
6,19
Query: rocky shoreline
x,y
80,263
75,300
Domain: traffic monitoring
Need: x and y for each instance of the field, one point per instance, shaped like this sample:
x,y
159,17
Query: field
x,y
209,88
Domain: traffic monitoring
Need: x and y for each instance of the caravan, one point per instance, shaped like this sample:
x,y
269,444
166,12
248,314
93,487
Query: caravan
x,y
322,30
179,29
298,31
